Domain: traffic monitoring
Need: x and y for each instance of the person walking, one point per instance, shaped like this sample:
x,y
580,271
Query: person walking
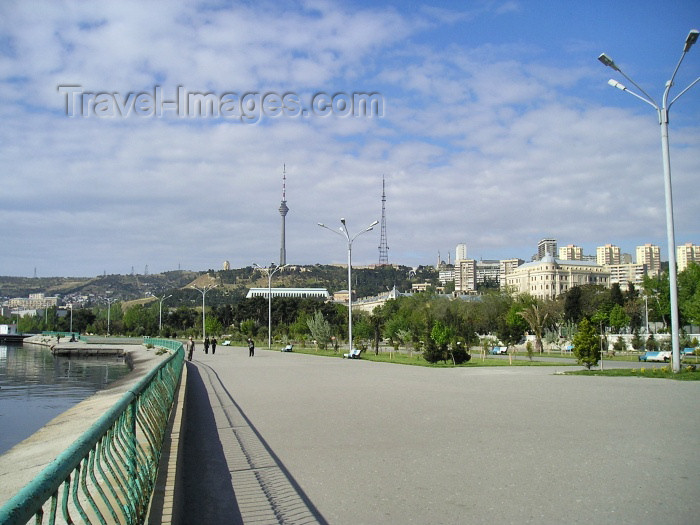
x,y
213,345
206,345
251,347
190,348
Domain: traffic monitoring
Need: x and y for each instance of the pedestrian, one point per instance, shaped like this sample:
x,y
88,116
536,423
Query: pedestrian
x,y
213,345
190,349
206,345
251,347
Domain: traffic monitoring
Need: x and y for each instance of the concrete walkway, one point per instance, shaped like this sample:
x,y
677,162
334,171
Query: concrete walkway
x,y
291,438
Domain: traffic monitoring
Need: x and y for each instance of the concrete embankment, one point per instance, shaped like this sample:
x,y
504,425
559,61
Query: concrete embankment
x,y
24,461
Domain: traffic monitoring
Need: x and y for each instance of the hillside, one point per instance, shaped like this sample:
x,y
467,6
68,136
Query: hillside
x,y
230,284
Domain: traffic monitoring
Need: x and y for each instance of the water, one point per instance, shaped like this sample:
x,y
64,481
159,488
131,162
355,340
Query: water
x,y
35,387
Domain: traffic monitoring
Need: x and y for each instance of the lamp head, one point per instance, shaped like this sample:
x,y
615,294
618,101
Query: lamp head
x,y
691,39
616,84
342,220
607,61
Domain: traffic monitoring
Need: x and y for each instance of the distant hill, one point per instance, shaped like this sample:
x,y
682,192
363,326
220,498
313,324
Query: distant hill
x,y
231,284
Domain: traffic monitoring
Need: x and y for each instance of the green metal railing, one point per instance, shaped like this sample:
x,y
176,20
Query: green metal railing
x,y
108,474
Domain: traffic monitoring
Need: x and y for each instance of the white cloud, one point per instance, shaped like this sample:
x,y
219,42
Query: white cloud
x,y
480,142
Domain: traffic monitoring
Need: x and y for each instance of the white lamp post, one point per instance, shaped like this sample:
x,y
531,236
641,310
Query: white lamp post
x,y
662,113
109,311
343,232
204,291
269,271
160,313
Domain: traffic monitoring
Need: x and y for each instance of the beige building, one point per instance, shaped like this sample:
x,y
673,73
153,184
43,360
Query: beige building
x,y
686,254
649,256
608,254
549,277
571,252
465,276
507,266
623,274
35,301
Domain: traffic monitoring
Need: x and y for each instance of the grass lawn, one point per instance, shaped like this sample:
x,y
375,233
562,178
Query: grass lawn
x,y
687,373
417,360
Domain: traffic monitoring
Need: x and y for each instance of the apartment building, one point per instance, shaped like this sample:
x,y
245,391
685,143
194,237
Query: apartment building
x,y
686,254
35,301
547,247
507,267
465,276
488,271
608,254
549,277
571,252
650,256
461,252
624,274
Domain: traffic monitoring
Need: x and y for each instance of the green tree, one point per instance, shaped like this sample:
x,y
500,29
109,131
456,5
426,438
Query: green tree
x,y
320,329
586,344
618,318
536,317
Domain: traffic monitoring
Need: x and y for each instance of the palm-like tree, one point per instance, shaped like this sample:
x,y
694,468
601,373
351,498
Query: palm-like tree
x,y
536,317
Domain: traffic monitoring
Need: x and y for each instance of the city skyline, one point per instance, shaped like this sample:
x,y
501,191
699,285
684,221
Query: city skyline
x,y
492,123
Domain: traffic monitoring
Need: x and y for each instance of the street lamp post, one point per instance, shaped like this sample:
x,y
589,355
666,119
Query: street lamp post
x,y
160,313
71,318
109,311
662,113
269,271
343,232
204,291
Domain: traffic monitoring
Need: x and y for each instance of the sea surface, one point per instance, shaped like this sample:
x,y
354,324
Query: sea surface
x,y
35,387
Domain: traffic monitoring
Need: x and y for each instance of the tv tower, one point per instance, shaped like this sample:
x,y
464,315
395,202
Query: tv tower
x,y
383,248
283,209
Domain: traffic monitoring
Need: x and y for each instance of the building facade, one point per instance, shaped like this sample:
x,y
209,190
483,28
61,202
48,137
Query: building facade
x,y
488,271
686,254
465,276
624,274
35,301
320,293
549,277
461,252
571,252
547,247
650,256
608,254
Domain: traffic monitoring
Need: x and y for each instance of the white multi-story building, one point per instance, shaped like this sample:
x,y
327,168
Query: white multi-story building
x,y
547,247
608,254
507,266
623,274
650,256
549,277
465,276
571,252
35,301
461,252
686,254
488,270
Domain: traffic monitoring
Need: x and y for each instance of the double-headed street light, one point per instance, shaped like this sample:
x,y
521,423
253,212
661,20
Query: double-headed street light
x,y
343,232
204,291
269,271
662,112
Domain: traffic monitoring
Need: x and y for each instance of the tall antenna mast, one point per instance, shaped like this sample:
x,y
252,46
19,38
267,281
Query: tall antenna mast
x,y
383,248
283,209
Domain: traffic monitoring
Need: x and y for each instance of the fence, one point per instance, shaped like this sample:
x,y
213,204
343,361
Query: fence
x,y
108,474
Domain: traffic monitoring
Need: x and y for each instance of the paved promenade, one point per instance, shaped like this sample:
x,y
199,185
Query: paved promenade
x,y
290,438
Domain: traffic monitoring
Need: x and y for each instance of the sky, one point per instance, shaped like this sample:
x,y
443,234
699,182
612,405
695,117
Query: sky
x,y
153,136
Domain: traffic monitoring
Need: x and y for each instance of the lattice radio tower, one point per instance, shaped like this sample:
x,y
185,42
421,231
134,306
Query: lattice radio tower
x,y
383,248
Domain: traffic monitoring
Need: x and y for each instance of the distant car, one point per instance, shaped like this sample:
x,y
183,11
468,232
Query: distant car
x,y
499,350
661,357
